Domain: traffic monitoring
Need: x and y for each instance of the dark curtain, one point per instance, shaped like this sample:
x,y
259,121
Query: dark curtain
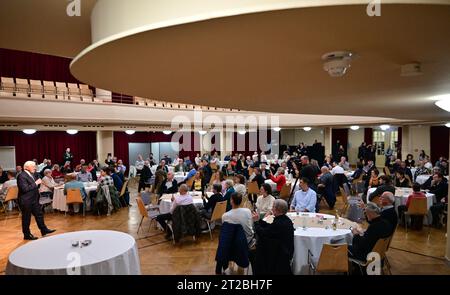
x,y
50,145
342,136
251,140
399,143
439,139
121,141
368,136
27,65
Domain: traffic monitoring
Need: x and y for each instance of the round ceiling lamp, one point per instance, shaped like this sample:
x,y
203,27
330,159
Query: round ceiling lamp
x,y
443,101
447,125
130,132
167,132
72,131
354,128
29,131
202,132
307,129
385,127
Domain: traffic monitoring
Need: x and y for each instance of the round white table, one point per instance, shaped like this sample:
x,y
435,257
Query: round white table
x,y
59,199
110,253
166,201
312,239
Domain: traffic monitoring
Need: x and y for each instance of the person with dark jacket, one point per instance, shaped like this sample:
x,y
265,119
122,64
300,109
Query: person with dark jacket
x,y
28,199
439,186
3,176
210,203
258,177
68,156
170,185
274,242
379,228
386,186
387,201
146,174
307,171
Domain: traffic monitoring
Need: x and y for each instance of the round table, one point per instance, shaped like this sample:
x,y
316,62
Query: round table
x,y
312,239
59,199
166,201
110,253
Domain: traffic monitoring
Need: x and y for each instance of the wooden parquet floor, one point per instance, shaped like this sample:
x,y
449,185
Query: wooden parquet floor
x,y
411,253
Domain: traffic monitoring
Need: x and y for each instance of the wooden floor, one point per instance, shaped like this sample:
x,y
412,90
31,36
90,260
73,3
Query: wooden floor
x,y
411,253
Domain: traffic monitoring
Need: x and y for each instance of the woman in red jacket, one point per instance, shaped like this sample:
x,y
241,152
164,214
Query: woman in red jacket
x,y
280,180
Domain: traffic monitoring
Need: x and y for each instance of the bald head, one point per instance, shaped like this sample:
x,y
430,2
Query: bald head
x,y
387,198
324,169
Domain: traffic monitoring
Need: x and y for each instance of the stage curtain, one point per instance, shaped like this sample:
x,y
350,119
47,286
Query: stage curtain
x,y
368,136
439,138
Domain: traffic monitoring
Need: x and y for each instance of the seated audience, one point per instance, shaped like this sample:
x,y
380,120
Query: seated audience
x,y
56,173
229,190
401,180
210,203
11,181
374,181
280,180
387,201
180,167
239,184
3,176
139,164
238,215
344,164
325,187
264,203
416,221
84,175
385,186
105,177
410,163
66,168
439,186
48,184
170,185
73,183
145,176
275,242
120,167
198,185
258,177
304,199
18,170
162,166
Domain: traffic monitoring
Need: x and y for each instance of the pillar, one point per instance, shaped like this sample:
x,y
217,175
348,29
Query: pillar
x,y
327,140
105,144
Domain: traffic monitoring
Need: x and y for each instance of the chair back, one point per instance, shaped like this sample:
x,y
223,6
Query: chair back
x,y
124,188
250,170
12,193
382,246
376,200
189,182
333,258
214,167
418,206
252,188
387,171
285,192
74,196
219,210
141,206
344,195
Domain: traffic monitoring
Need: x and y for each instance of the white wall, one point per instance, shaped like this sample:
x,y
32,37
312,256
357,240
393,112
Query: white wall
x,y
295,136
105,145
420,140
355,138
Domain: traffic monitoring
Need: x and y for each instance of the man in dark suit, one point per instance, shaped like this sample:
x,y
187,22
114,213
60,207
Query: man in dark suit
x,y
386,186
275,242
387,201
379,228
28,198
146,174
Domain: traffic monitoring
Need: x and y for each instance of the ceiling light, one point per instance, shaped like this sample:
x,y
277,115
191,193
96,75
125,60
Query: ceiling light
x,y
336,63
202,132
29,131
385,127
72,131
242,132
412,69
307,129
130,132
443,101
447,125
354,128
167,132
277,129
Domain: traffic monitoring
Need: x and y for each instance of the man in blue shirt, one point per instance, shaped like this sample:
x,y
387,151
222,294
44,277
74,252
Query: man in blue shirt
x,y
304,199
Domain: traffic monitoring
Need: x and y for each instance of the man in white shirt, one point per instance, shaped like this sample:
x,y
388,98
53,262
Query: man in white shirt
x,y
242,216
344,164
184,198
304,199
337,169
139,164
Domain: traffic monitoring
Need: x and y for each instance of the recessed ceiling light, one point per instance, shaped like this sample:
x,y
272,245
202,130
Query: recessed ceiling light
x,y
167,132
447,125
29,131
277,129
385,127
354,128
130,132
202,132
443,101
307,129
72,131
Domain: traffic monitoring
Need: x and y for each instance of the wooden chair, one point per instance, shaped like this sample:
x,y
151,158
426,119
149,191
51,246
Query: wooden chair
x,y
214,167
150,214
123,190
11,195
74,197
61,90
381,247
250,170
344,201
252,188
189,182
386,171
409,180
285,192
219,210
74,92
49,89
86,93
7,86
22,88
333,259
36,89
376,200
418,207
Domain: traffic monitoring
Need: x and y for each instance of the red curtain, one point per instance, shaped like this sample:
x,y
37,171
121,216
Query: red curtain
x,y
251,140
368,136
50,145
439,139
121,141
28,65
342,136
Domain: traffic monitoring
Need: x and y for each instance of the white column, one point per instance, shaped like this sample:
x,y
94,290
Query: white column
x,y
105,145
327,140
103,95
406,142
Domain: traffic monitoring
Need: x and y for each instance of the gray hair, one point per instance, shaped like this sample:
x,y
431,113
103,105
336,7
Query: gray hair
x,y
28,164
229,183
373,208
281,170
184,188
281,205
390,196
46,171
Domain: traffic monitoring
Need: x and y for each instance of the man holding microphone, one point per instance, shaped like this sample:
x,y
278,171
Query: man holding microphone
x,y
29,201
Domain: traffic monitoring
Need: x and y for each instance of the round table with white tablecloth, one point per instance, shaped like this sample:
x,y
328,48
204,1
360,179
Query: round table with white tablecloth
x,y
109,253
59,199
166,201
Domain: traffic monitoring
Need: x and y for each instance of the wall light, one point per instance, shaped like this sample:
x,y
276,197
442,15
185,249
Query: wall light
x,y
130,132
447,125
354,128
167,132
29,131
242,132
72,131
385,127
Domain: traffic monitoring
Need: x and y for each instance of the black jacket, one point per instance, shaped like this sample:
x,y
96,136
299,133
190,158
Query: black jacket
x,y
308,172
379,228
67,157
3,177
172,190
146,174
259,179
440,190
380,190
28,190
212,201
391,216
275,246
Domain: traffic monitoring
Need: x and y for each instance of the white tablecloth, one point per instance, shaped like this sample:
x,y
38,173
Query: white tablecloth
x,y
166,203
421,179
59,199
273,185
312,239
179,176
110,253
